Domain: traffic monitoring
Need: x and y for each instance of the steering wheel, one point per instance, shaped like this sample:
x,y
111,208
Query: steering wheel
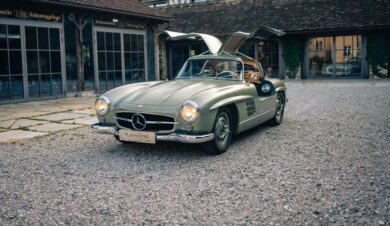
x,y
226,74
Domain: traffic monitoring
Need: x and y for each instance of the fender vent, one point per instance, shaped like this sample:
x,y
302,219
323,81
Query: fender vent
x,y
250,107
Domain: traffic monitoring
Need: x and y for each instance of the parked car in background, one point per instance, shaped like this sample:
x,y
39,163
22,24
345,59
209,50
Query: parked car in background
x,y
351,67
215,95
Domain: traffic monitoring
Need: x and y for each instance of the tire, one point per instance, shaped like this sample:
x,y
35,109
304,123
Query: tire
x,y
223,132
280,104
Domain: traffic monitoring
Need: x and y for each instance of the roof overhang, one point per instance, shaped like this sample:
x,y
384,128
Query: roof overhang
x,y
105,10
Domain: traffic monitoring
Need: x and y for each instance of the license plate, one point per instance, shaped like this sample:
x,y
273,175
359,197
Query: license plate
x,y
137,136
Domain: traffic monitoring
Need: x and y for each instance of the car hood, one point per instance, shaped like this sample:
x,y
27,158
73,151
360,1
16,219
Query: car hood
x,y
169,93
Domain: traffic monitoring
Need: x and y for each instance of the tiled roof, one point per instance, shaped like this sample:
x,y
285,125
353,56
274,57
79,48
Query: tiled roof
x,y
130,7
287,15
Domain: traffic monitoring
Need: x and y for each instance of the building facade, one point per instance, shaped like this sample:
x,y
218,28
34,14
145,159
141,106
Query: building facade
x,y
322,39
54,48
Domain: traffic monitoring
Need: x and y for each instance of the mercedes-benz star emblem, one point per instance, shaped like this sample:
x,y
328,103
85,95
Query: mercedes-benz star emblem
x,y
138,121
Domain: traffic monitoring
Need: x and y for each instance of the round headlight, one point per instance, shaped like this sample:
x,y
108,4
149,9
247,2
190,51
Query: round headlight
x,y
265,88
102,105
189,111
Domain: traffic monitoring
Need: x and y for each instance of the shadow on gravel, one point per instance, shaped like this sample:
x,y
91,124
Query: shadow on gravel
x,y
165,150
258,129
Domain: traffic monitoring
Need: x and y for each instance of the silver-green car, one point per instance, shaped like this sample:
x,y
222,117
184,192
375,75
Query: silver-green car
x,y
214,96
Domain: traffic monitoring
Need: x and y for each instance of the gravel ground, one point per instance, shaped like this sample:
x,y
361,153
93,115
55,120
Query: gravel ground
x,y
328,163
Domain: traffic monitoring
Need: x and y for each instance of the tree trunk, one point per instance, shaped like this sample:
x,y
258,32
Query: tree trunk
x,y
80,61
79,23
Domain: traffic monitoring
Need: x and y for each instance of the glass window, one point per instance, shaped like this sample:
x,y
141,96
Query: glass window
x,y
3,36
4,88
102,81
346,52
118,78
17,91
127,61
110,59
14,37
55,61
15,62
109,41
44,61
43,36
57,84
118,61
33,85
100,41
126,41
140,42
268,56
110,80
117,42
31,38
102,61
45,85
54,39
4,64
133,44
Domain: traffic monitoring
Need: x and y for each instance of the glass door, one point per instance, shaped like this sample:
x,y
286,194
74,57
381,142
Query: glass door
x,y
348,56
120,58
43,53
11,68
109,60
335,57
320,56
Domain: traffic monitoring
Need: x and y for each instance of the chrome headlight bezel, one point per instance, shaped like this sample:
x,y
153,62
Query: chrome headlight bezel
x,y
189,111
102,111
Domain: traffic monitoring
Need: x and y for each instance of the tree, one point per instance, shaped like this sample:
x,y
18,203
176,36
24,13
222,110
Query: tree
x,y
79,22
293,48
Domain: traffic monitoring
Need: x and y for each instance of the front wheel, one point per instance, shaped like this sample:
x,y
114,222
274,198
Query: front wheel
x,y
223,133
280,103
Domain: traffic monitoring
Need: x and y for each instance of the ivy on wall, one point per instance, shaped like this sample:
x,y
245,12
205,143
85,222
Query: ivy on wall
x,y
293,49
378,53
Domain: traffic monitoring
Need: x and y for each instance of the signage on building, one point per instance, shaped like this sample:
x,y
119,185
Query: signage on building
x,y
22,14
117,23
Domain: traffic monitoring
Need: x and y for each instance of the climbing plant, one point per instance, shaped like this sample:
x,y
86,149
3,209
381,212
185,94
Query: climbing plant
x,y
293,48
378,53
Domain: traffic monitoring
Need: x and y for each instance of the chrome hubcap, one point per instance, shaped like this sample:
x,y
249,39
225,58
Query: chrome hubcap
x,y
222,130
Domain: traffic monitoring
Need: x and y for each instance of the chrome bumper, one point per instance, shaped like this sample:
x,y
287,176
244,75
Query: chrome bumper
x,y
175,137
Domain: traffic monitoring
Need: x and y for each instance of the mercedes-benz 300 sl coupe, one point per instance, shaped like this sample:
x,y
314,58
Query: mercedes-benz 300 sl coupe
x,y
214,96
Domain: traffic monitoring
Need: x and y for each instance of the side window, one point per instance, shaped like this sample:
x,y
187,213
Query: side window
x,y
250,68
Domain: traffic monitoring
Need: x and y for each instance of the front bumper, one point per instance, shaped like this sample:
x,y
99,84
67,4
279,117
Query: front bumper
x,y
175,137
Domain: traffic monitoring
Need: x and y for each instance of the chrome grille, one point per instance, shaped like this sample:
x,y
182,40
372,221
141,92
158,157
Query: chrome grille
x,y
153,122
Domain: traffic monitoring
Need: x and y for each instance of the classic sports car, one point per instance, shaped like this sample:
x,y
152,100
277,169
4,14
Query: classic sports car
x,y
215,95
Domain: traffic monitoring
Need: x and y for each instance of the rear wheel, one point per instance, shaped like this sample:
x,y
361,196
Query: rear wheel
x,y
280,103
223,132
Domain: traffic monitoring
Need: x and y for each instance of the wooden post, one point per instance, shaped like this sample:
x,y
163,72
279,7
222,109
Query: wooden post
x,y
79,22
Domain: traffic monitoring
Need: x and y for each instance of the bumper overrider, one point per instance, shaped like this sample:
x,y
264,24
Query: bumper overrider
x,y
175,137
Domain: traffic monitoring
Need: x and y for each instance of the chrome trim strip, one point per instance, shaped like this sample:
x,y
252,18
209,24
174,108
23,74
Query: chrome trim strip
x,y
103,129
161,122
123,119
184,138
175,137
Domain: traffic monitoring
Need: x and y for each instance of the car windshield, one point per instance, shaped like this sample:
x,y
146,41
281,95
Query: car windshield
x,y
211,69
